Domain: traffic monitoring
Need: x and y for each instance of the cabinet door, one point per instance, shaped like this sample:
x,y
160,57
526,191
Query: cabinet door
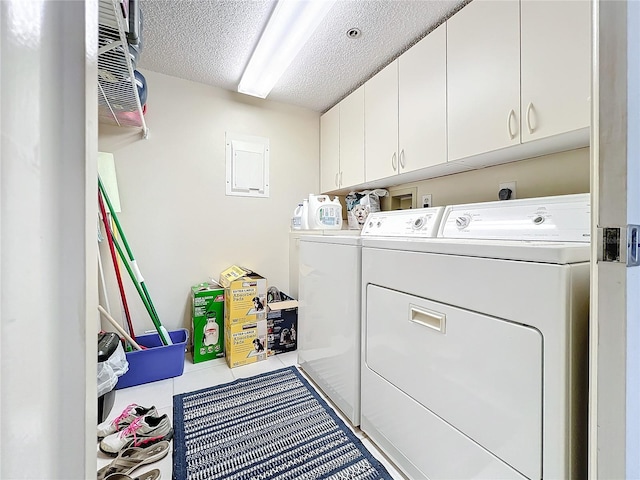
x,y
381,124
352,139
330,149
422,102
556,67
483,77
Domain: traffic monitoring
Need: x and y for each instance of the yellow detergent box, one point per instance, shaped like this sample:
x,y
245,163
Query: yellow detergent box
x,y
245,343
245,298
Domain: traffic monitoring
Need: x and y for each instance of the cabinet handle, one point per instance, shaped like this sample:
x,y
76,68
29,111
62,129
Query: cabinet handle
x,y
402,158
511,114
340,183
529,108
336,180
394,161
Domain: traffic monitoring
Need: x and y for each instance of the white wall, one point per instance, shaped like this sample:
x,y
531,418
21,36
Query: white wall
x,y
48,140
181,226
556,174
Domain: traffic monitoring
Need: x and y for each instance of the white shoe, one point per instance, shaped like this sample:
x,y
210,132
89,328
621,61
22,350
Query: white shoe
x,y
122,421
142,432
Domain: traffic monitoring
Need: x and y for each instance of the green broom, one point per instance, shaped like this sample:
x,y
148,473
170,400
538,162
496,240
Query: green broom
x,y
135,274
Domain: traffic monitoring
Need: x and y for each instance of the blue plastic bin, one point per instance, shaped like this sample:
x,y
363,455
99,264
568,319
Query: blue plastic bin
x,y
157,362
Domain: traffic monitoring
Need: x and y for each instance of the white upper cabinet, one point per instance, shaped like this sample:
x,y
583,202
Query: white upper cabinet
x,y
406,111
381,124
352,139
556,59
483,77
342,143
500,81
422,90
330,149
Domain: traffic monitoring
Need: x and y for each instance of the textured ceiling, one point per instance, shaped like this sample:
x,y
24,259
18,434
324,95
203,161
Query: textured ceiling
x,y
211,41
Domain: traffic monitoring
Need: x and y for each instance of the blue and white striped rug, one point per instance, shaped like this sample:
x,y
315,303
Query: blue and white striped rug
x,y
271,426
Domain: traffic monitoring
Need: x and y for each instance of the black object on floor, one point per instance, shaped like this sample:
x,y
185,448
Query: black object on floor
x,y
107,344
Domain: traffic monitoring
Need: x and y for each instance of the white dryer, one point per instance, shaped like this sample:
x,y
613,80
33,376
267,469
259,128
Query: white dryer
x,y
475,348
329,309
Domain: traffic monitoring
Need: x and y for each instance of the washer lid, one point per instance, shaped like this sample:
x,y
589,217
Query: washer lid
x,y
565,218
412,223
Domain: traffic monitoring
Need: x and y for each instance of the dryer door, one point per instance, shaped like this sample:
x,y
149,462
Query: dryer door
x,y
480,374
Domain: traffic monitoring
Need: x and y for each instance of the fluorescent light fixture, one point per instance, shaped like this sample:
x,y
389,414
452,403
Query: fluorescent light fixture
x,y
291,24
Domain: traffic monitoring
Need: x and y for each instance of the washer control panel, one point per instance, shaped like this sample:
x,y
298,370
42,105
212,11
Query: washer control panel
x,y
562,218
419,222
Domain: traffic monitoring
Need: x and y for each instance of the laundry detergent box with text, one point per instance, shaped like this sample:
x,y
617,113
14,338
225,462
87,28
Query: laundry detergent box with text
x,y
245,296
245,343
282,325
207,327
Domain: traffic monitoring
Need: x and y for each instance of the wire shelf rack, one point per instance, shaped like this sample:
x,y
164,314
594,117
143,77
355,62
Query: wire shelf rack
x,y
118,99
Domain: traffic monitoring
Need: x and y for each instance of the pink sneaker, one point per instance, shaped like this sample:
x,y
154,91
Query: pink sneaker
x,y
142,432
128,415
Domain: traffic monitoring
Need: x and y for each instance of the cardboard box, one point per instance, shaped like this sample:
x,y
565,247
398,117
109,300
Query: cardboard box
x,y
282,325
207,328
245,296
245,343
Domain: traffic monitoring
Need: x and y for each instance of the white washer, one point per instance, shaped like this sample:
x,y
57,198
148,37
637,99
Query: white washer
x,y
475,346
329,309
294,253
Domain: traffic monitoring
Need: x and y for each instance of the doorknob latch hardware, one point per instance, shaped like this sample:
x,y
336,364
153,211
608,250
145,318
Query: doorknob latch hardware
x,y
619,245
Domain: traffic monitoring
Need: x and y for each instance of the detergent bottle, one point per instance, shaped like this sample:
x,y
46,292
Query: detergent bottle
x,y
324,213
296,220
338,212
304,216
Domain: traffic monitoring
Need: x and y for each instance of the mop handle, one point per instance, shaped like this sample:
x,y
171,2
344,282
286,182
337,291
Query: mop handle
x,y
116,268
164,335
104,285
162,331
133,276
119,328
115,218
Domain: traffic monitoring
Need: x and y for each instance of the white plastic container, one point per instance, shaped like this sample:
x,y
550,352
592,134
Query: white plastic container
x,y
296,220
305,215
324,213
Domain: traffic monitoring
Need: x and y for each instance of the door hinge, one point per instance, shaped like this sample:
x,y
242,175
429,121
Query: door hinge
x,y
619,245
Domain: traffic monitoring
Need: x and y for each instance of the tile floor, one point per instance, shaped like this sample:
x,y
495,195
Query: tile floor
x,y
202,375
